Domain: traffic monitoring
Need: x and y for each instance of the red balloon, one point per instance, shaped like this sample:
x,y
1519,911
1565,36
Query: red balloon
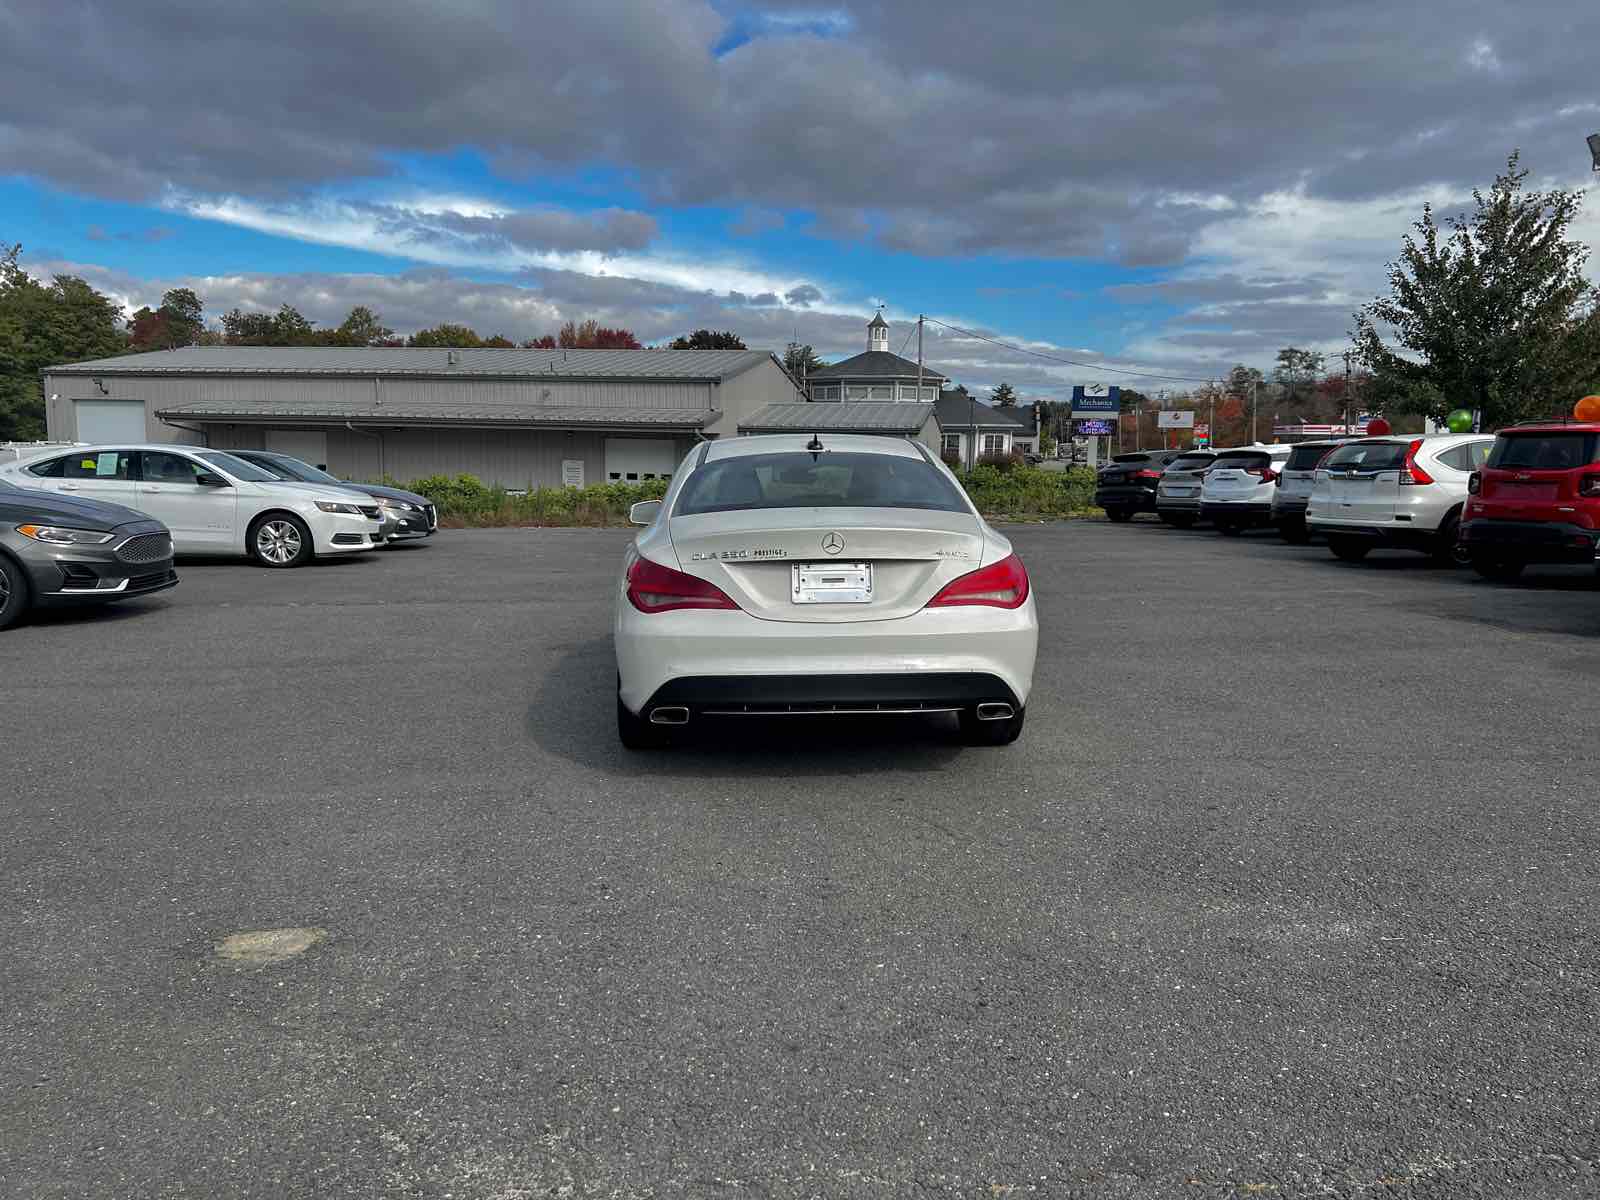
x,y
1377,427
1588,409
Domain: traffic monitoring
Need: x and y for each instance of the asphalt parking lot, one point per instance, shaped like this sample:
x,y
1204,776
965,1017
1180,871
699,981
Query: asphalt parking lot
x,y
1287,890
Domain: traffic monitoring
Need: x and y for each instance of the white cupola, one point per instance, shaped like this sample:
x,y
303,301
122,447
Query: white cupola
x,y
878,334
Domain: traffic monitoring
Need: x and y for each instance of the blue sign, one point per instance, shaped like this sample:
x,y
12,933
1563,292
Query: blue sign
x,y
1095,399
1092,427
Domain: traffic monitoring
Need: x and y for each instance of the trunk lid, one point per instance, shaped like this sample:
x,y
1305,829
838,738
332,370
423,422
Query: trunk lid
x,y
1364,480
752,556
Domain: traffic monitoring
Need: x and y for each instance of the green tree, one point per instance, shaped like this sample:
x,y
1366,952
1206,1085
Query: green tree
x,y
1297,372
705,339
801,361
43,325
1003,395
446,335
1488,310
180,321
362,327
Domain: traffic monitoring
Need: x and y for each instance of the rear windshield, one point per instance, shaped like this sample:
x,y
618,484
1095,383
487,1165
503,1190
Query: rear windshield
x,y
797,479
1369,456
1190,462
1131,458
1241,462
1543,451
1304,458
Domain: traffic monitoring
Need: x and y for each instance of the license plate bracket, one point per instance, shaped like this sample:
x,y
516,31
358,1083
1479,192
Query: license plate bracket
x,y
831,583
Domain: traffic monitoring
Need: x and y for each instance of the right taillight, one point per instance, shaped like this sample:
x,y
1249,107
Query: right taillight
x,y
1410,473
1474,483
1589,486
1000,585
653,588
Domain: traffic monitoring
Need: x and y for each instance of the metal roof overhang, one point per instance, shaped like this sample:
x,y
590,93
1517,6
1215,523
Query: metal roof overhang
x,y
689,420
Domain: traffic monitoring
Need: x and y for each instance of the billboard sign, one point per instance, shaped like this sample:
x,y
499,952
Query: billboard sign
x,y
1096,400
1176,419
1092,427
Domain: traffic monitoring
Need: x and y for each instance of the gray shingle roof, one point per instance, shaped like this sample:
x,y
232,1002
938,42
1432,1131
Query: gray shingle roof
x,y
698,365
876,364
366,413
959,412
860,416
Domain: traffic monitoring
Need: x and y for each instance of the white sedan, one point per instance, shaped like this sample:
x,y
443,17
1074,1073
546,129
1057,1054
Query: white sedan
x,y
839,574
212,502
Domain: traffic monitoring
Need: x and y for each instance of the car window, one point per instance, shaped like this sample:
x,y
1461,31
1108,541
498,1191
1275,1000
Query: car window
x,y
276,469
1368,456
51,468
1190,462
101,464
1543,451
797,479
238,468
295,469
1241,462
1468,457
159,467
1305,458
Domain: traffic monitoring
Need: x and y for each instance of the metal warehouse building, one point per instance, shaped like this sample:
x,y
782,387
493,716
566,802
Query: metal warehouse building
x,y
513,417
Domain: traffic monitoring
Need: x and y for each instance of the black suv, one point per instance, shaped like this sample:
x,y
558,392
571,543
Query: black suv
x,y
1127,484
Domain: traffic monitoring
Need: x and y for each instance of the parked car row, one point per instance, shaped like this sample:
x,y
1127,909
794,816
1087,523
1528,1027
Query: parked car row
x,y
101,523
1528,494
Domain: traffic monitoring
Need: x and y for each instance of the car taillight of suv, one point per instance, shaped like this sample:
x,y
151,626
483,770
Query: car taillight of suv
x,y
1412,475
1536,499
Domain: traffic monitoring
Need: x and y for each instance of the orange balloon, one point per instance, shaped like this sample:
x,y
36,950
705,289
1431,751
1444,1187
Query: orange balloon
x,y
1588,409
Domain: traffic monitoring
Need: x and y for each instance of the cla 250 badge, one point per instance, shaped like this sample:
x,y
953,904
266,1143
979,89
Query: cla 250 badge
x,y
724,555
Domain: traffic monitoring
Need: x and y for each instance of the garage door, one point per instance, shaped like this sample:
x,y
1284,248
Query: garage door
x,y
629,460
102,421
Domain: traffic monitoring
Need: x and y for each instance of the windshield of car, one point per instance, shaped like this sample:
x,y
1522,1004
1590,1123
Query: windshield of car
x,y
293,468
1241,462
798,479
1368,456
1543,451
237,467
1191,462
1304,458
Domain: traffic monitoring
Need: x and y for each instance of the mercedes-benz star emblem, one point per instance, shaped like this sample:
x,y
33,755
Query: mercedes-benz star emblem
x,y
833,544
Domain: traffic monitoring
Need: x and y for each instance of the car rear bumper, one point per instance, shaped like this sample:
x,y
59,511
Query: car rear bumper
x,y
932,658
793,695
1177,504
1531,541
1138,498
1403,537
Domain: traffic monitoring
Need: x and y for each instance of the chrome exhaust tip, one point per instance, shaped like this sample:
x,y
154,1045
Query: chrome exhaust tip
x,y
995,712
669,714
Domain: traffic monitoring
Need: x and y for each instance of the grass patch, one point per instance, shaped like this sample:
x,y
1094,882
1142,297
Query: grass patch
x,y
1002,492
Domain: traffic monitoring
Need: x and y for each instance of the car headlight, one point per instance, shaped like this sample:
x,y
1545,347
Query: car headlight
x,y
58,535
337,506
401,505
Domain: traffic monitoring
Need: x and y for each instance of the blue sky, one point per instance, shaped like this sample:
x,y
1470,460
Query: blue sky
x,y
1080,185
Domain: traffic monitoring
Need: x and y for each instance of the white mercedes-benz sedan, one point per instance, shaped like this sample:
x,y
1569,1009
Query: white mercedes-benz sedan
x,y
801,574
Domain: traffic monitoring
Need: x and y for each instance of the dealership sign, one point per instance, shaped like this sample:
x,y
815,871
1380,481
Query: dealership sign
x,y
1096,400
1177,419
1092,427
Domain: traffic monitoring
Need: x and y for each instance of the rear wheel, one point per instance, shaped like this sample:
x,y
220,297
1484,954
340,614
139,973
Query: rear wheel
x,y
1502,570
990,733
1448,549
1119,515
1348,549
14,595
636,733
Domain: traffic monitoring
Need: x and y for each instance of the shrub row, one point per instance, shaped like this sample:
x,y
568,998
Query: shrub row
x,y
1004,490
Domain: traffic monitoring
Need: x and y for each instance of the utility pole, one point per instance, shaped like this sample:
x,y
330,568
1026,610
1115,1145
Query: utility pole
x,y
1347,392
1211,429
920,319
1253,436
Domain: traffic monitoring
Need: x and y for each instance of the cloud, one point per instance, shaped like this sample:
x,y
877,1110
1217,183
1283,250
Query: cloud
x,y
608,231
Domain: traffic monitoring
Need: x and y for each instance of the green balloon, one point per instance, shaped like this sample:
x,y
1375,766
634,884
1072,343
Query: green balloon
x,y
1459,421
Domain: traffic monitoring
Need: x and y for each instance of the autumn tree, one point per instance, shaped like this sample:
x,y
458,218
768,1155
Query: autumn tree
x,y
180,321
1487,310
592,336
705,339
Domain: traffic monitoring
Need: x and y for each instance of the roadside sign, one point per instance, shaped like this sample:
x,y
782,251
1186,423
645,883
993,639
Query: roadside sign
x,y
1092,427
1175,419
1096,400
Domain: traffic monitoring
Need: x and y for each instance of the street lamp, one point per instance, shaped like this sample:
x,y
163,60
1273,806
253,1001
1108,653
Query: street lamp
x,y
1594,149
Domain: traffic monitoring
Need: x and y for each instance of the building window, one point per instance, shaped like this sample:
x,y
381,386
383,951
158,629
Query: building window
x,y
910,392
883,393
857,393
952,443
994,443
824,393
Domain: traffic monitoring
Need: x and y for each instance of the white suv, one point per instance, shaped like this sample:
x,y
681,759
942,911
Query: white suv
x,y
1237,492
212,502
1397,491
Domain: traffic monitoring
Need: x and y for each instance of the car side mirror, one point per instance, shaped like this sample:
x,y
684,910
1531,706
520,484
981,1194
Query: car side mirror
x,y
207,479
645,512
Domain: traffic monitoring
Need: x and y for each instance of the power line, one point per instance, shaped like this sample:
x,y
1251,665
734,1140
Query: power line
x,y
1072,362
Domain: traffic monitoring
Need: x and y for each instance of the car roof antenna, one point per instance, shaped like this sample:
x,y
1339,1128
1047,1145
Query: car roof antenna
x,y
815,446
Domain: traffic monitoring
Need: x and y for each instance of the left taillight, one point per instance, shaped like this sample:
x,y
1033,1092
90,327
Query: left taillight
x,y
653,588
1000,585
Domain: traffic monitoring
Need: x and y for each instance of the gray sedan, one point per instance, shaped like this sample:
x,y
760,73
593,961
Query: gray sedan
x,y
58,550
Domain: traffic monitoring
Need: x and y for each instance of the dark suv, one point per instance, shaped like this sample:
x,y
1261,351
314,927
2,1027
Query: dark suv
x,y
1536,499
1127,484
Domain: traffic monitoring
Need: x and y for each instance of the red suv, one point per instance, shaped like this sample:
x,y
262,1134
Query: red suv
x,y
1536,499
